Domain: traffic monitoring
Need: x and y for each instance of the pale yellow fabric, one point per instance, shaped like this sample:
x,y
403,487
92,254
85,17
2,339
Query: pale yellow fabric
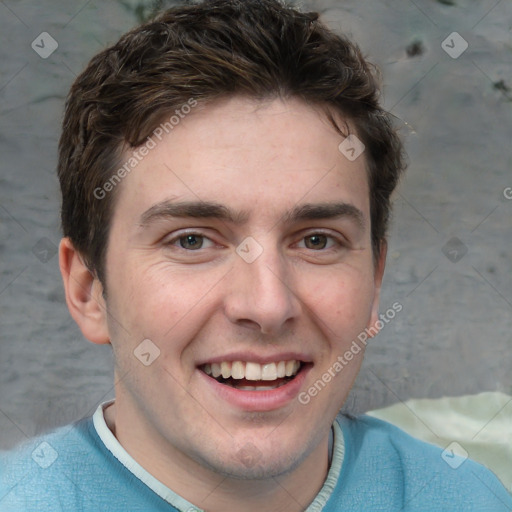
x,y
481,424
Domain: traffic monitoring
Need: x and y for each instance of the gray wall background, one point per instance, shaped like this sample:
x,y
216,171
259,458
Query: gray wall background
x,y
450,257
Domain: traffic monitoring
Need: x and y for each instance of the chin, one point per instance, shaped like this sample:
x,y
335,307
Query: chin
x,y
251,463
262,470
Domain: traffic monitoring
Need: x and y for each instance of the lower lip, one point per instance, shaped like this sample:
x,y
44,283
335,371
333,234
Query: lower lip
x,y
259,401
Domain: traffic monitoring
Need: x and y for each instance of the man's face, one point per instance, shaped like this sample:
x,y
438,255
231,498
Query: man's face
x,y
242,238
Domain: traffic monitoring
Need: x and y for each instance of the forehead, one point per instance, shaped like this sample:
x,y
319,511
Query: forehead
x,y
268,155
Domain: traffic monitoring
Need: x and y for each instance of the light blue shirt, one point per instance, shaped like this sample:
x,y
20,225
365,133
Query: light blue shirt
x,y
375,466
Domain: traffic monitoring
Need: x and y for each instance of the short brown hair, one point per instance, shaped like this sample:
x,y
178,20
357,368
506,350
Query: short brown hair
x,y
217,48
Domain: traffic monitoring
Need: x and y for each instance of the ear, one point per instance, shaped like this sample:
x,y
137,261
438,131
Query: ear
x,y
84,294
378,275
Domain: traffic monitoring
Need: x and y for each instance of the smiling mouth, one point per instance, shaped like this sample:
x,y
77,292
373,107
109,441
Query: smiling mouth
x,y
249,376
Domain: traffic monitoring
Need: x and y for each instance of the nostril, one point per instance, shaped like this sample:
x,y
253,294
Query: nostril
x,y
250,324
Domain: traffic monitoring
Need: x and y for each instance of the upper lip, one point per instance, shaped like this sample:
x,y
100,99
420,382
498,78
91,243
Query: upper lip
x,y
258,358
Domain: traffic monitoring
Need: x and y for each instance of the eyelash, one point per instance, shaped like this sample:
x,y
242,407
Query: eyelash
x,y
338,242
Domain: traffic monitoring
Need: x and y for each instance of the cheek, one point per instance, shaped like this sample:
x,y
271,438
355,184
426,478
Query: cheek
x,y
343,301
165,304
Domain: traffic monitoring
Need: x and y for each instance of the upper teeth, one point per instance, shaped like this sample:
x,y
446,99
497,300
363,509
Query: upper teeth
x,y
252,371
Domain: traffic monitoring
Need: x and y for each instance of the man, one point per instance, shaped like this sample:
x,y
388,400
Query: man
x,y
226,173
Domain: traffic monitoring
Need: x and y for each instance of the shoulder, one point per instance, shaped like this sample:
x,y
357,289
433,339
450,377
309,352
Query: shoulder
x,y
30,473
70,469
43,451
420,475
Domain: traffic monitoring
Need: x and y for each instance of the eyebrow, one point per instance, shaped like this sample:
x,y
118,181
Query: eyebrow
x,y
210,210
325,211
192,209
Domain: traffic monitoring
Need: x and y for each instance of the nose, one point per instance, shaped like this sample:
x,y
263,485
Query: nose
x,y
261,294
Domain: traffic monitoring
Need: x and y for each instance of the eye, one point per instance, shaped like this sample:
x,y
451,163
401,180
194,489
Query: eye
x,y
319,241
191,241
